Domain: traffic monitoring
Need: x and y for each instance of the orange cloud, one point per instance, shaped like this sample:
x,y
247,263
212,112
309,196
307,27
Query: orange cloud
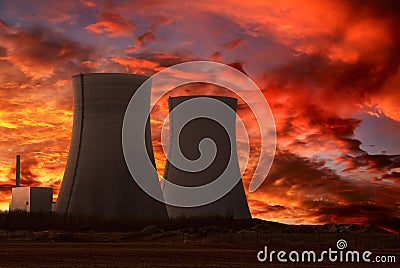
x,y
113,25
146,37
88,3
233,44
36,106
135,65
45,54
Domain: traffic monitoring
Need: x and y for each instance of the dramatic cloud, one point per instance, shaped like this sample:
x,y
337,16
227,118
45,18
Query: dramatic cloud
x,y
326,68
36,105
113,25
300,189
46,54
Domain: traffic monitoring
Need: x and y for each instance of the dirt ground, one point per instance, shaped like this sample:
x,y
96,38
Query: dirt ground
x,y
123,255
56,254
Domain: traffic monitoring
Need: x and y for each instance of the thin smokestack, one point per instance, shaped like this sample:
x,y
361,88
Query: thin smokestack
x,y
18,171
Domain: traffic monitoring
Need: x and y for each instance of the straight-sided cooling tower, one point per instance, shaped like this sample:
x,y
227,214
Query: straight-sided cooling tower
x,y
97,181
190,134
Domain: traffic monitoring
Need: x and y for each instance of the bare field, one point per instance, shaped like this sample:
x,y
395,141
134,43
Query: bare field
x,y
123,255
35,241
144,254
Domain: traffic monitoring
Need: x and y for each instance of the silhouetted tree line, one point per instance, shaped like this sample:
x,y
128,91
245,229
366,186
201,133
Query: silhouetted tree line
x,y
20,220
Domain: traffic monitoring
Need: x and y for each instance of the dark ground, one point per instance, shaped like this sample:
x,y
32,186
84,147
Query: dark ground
x,y
36,241
141,255
151,248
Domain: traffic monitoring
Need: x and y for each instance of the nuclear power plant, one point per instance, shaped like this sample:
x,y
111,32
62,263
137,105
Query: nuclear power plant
x,y
223,134
97,181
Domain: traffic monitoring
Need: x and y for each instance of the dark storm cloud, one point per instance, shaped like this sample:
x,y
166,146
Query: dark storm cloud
x,y
145,38
394,176
376,215
165,59
349,66
233,44
385,9
335,84
44,52
3,52
238,66
112,25
299,171
263,207
378,162
324,195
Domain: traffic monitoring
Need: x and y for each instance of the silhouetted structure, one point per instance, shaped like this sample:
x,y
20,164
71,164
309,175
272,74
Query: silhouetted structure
x,y
234,203
32,199
29,199
97,181
18,171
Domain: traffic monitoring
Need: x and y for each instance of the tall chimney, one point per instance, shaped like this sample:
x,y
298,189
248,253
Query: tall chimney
x,y
18,171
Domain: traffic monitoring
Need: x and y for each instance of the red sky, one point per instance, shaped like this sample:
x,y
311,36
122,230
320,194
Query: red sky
x,y
329,70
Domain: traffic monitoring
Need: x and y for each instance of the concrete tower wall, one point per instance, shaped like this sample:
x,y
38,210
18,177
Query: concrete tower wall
x,y
233,204
97,181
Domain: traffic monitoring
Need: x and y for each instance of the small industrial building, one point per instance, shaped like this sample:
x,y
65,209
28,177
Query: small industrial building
x,y
32,199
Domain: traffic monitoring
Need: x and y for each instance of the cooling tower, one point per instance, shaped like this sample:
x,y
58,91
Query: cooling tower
x,y
189,134
97,181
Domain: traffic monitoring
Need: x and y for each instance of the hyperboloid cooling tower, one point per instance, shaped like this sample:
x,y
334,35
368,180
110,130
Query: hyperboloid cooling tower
x,y
190,126
97,181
